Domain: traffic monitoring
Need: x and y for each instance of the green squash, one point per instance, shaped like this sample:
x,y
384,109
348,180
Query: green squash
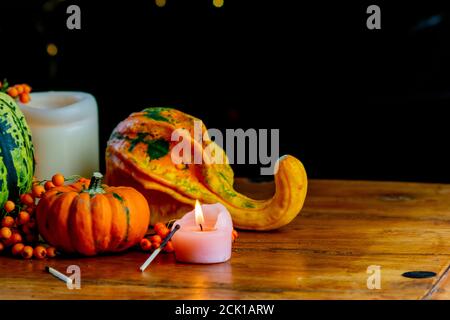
x,y
16,151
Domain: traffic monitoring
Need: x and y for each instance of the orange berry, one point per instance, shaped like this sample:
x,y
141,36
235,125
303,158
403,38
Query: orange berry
x,y
156,238
24,217
38,191
12,92
84,183
58,179
30,210
27,252
16,237
39,252
27,199
26,88
51,252
163,232
145,244
158,226
5,233
48,185
19,88
8,221
234,235
83,180
169,247
17,249
9,206
24,97
2,247
156,245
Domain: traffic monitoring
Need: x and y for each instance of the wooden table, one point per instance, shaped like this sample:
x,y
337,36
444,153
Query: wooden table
x,y
345,227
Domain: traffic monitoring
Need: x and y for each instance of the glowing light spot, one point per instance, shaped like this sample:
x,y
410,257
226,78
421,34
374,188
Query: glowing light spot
x,y
160,3
199,219
218,3
52,49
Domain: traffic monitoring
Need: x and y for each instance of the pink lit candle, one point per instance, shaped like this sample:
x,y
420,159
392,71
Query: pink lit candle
x,y
204,235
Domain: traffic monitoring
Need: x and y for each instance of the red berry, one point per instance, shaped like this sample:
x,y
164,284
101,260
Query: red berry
x,y
58,179
48,185
9,206
19,88
17,249
26,88
16,237
158,226
51,252
38,191
163,232
27,199
156,245
8,222
40,252
156,238
12,92
145,244
169,247
24,217
5,233
27,252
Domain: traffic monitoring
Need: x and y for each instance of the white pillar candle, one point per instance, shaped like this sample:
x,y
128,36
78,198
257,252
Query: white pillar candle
x,y
64,128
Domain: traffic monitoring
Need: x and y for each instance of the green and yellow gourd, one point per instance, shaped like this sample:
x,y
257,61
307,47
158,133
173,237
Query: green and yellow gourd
x,y
16,151
138,154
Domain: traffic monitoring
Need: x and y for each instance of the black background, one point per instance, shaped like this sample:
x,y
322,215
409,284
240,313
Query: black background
x,y
349,102
287,309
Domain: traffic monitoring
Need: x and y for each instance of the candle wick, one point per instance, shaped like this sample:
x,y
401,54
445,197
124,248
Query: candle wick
x,y
201,227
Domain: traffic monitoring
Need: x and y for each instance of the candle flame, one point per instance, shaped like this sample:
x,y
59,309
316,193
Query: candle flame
x,y
199,219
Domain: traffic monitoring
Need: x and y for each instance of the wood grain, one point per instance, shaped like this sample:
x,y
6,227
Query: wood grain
x,y
345,227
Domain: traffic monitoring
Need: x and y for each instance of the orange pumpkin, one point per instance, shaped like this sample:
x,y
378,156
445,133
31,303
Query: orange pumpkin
x,y
89,218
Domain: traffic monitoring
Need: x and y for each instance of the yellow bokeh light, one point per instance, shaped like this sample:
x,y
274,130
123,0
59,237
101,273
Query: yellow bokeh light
x,y
52,49
218,3
160,3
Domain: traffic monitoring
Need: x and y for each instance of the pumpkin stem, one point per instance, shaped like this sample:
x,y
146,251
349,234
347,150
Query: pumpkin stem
x,y
96,183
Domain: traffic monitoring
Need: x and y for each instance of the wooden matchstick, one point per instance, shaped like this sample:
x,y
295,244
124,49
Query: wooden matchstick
x,y
58,275
157,251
